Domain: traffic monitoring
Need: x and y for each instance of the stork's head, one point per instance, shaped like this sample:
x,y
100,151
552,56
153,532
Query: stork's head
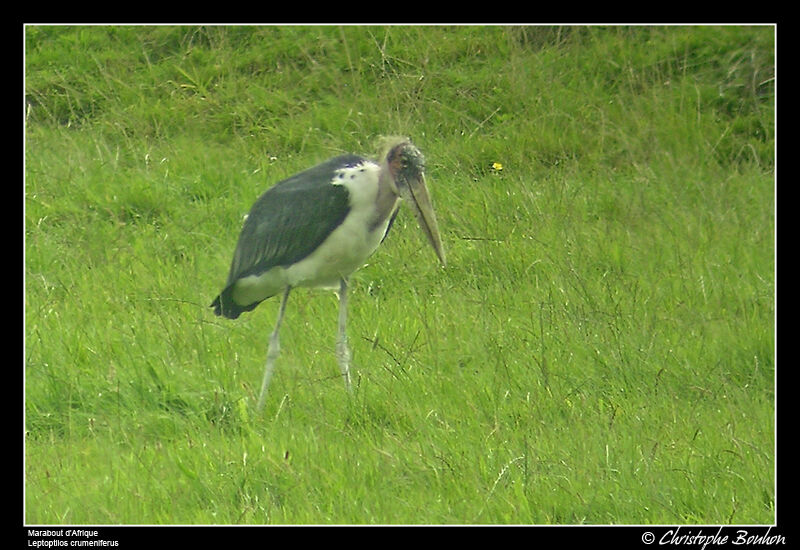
x,y
407,167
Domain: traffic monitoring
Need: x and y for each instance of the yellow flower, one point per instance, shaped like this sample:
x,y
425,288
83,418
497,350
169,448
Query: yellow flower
x,y
497,167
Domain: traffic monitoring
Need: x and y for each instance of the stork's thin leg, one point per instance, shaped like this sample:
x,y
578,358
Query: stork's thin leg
x,y
342,351
272,352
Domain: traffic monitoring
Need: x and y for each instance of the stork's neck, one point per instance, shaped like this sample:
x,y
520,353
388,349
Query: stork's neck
x,y
386,200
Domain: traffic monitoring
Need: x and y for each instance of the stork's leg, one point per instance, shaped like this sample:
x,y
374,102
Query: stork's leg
x,y
272,352
342,351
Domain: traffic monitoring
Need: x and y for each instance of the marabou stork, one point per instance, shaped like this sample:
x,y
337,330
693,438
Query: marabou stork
x,y
317,227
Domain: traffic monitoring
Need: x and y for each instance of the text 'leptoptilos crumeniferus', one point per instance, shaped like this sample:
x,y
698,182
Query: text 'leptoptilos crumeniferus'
x,y
317,227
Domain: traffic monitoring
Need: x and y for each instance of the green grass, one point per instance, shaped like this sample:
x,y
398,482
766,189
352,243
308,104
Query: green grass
x,y
600,348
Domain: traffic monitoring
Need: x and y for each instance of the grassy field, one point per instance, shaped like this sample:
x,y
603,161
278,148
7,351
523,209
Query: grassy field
x,y
599,349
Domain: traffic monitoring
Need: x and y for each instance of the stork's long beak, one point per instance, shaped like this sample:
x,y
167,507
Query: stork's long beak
x,y
417,197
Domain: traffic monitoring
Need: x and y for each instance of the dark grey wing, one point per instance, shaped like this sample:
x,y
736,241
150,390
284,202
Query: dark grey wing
x,y
286,224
